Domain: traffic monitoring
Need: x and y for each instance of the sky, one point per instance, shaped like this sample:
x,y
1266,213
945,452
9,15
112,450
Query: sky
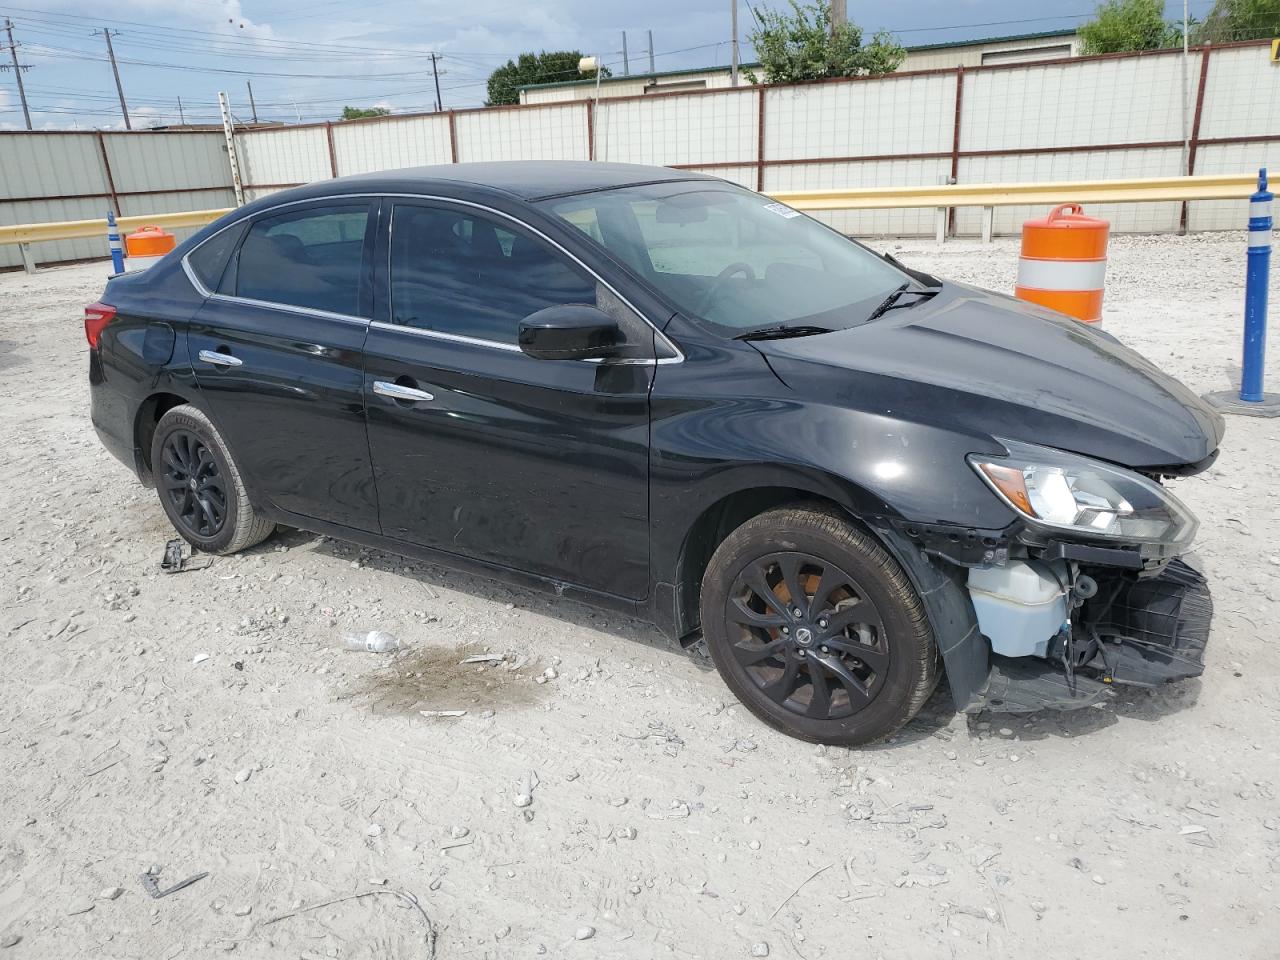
x,y
306,60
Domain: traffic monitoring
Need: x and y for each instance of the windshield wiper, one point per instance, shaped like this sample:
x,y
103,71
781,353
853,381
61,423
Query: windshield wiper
x,y
782,332
891,301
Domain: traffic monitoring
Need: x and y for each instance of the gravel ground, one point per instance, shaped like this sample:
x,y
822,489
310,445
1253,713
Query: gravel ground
x,y
620,805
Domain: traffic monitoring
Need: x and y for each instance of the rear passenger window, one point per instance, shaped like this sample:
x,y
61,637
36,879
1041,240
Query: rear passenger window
x,y
459,272
209,260
305,258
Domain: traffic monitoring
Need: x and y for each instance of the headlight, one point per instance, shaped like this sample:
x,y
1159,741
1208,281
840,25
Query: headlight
x,y
1062,491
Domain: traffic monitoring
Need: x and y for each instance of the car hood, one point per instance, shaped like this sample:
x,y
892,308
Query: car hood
x,y
985,364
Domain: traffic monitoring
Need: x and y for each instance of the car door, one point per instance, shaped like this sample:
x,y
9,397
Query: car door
x,y
481,450
277,352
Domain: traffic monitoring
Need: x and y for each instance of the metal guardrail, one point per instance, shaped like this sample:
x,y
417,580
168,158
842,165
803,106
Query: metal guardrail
x,y
79,229
945,197
1212,187
942,197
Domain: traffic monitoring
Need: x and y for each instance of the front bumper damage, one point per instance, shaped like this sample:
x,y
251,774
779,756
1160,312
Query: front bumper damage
x,y
1103,617
1135,630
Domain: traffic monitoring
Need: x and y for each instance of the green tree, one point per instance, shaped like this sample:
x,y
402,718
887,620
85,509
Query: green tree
x,y
528,68
1240,20
802,45
355,113
1119,26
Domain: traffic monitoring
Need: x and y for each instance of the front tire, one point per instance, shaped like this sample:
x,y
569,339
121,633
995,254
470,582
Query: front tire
x,y
200,486
816,628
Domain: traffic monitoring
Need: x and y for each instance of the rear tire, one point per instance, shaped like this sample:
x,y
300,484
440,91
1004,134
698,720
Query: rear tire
x,y
200,486
848,662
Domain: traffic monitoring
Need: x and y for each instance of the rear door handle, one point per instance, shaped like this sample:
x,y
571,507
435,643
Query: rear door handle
x,y
220,359
396,392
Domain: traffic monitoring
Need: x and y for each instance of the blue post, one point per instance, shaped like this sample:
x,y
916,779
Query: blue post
x,y
117,252
1255,292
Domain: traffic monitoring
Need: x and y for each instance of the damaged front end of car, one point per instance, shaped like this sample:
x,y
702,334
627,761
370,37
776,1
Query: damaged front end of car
x,y
1092,586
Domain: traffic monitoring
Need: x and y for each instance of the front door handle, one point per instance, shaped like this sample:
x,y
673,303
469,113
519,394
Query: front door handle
x,y
220,359
396,392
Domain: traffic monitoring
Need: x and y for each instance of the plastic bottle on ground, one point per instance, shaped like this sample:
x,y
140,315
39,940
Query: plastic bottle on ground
x,y
375,641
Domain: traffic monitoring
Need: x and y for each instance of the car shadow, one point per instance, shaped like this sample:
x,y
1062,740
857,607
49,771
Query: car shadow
x,y
938,718
1148,704
434,577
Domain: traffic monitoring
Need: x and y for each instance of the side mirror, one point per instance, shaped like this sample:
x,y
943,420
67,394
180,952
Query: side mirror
x,y
571,331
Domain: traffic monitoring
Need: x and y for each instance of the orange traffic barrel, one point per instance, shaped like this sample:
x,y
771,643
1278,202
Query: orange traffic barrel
x,y
1064,262
149,241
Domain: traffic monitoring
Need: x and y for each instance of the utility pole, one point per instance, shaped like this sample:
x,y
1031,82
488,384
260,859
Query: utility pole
x,y
253,107
17,72
733,50
651,68
839,16
626,62
111,55
228,132
181,117
436,73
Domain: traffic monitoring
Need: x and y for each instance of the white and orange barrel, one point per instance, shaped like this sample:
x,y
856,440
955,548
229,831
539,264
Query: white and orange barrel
x,y
1064,262
146,245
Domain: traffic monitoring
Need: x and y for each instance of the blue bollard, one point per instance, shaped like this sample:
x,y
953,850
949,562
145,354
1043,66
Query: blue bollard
x,y
117,251
1255,292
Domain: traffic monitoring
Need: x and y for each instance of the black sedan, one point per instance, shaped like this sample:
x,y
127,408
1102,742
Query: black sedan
x,y
662,393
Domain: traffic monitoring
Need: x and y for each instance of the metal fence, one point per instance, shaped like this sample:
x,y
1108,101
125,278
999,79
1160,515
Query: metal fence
x,y
1085,118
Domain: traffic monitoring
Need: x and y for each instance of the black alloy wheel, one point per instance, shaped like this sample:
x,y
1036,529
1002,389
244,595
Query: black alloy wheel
x,y
816,628
808,635
193,484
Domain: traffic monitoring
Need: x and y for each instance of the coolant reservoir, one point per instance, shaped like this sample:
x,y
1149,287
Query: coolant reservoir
x,y
1020,606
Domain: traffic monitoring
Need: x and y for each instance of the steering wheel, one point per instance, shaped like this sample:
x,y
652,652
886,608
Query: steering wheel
x,y
717,285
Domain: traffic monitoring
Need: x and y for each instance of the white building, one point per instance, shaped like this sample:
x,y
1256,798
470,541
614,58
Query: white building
x,y
934,56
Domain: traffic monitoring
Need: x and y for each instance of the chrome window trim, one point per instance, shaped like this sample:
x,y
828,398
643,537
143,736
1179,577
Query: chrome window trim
x,y
441,335
659,336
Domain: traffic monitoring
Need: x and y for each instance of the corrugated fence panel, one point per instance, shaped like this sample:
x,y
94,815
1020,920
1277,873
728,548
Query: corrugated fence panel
x,y
168,161
178,201
1241,94
272,157
540,133
866,173
1236,104
743,175
717,128
1082,165
1231,158
391,144
1122,100
865,118
50,165
46,211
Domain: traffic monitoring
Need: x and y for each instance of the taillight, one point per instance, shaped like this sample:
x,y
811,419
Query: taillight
x,y
96,317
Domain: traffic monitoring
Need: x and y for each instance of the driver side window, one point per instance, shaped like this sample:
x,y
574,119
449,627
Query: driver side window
x,y
463,272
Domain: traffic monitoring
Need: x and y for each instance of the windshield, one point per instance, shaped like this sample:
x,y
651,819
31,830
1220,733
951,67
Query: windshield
x,y
733,258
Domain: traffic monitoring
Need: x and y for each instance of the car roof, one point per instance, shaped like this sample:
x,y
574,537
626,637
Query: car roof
x,y
526,179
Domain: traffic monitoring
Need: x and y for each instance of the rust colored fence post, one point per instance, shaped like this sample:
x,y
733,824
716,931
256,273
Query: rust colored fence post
x,y
106,169
453,137
333,154
591,129
1194,143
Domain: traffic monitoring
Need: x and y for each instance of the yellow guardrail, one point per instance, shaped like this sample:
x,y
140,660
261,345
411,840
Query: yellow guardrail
x,y
943,196
78,229
1213,187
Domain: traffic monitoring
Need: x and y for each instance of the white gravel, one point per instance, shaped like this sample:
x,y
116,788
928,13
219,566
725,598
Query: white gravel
x,y
1054,836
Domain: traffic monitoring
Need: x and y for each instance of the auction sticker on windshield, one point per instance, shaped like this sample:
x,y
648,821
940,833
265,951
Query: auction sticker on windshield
x,y
782,210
